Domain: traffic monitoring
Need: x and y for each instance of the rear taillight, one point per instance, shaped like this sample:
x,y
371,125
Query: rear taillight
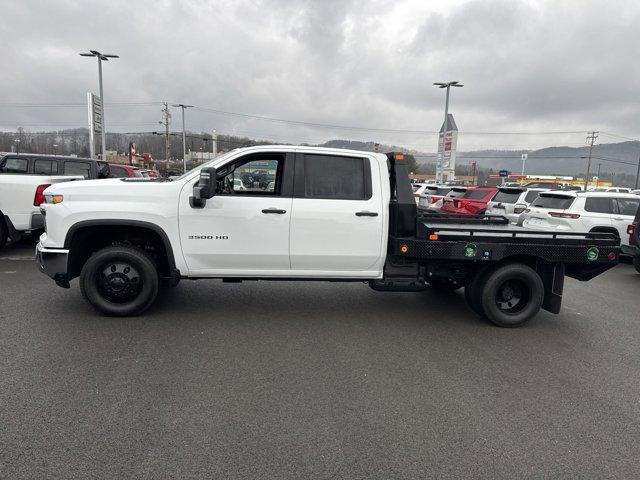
x,y
519,208
416,194
564,215
434,199
631,229
39,198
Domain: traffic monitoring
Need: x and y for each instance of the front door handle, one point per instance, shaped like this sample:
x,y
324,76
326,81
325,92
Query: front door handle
x,y
274,210
366,214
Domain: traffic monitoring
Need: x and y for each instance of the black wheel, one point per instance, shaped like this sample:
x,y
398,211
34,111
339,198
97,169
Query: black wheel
x,y
4,233
512,294
443,285
119,281
636,263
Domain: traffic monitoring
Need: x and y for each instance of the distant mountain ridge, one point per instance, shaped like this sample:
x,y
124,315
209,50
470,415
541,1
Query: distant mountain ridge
x,y
544,161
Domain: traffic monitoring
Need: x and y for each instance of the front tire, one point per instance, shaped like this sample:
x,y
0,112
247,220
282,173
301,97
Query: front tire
x,y
512,294
119,281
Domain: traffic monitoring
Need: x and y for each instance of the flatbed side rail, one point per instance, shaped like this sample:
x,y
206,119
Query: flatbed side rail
x,y
527,233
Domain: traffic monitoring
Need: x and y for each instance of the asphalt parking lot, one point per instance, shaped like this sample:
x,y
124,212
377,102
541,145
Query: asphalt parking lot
x,y
315,380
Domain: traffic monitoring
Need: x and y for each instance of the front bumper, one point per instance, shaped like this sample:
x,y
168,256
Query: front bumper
x,y
53,263
630,250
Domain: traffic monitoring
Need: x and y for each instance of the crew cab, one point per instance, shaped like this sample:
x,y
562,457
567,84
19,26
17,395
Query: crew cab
x,y
472,202
320,214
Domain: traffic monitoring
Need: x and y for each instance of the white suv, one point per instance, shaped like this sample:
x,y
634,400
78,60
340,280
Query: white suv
x,y
511,202
583,212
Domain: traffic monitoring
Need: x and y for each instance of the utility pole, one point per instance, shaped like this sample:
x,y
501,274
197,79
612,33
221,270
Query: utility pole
x,y
101,57
184,136
638,173
591,138
166,116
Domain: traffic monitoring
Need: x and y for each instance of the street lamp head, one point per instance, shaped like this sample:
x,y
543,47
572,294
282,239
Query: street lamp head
x,y
87,55
458,85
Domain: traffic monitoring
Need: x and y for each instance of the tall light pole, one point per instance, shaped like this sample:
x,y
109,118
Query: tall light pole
x,y
184,135
598,175
448,86
101,57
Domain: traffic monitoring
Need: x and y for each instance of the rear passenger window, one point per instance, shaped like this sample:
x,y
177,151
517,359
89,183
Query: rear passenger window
x,y
14,165
45,167
531,196
77,168
598,205
627,206
336,177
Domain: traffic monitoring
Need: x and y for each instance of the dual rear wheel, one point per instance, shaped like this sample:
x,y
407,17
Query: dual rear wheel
x,y
508,295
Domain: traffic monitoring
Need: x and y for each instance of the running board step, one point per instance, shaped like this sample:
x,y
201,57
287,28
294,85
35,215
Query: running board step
x,y
398,285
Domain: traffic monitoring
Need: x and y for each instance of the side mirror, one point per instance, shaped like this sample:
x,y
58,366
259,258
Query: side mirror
x,y
205,188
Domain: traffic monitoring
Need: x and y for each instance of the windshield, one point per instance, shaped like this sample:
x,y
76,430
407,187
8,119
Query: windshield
x,y
559,202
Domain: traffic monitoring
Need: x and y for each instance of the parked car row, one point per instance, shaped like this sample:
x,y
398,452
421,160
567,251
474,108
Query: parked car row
x,y
611,211
24,178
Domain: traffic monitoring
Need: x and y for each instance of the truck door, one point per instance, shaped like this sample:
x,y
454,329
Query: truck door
x,y
337,216
244,229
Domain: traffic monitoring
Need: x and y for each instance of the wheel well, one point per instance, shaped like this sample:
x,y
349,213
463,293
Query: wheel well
x,y
86,240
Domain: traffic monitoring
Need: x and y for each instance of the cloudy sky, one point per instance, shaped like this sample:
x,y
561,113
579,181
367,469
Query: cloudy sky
x,y
527,66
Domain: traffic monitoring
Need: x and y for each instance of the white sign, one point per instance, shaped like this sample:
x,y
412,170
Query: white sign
x,y
94,107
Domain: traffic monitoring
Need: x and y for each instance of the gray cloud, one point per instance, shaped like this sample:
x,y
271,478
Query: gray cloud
x,y
527,66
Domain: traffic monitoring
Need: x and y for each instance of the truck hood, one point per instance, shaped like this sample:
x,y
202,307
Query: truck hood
x,y
112,189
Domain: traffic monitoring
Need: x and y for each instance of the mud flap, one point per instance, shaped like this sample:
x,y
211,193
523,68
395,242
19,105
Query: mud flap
x,y
552,275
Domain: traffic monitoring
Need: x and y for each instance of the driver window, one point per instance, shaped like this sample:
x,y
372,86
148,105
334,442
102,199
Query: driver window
x,y
253,177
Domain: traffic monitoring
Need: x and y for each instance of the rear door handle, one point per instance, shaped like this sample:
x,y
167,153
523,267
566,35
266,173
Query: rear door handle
x,y
366,214
274,210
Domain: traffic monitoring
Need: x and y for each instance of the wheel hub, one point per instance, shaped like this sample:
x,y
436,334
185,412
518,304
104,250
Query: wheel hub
x,y
120,282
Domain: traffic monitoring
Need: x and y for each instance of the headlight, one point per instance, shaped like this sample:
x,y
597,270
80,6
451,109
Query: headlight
x,y
50,198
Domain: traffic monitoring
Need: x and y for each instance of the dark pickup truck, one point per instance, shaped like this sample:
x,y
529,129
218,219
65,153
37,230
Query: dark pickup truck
x,y
32,164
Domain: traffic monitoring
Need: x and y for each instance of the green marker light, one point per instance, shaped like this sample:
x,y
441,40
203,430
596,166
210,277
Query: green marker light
x,y
592,254
470,251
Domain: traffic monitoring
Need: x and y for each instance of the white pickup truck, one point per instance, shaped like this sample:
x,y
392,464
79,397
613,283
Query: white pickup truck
x,y
20,199
298,213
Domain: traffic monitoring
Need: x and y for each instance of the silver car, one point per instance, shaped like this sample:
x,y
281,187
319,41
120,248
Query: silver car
x,y
511,202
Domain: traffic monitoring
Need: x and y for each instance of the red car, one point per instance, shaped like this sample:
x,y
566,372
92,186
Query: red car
x,y
472,202
118,170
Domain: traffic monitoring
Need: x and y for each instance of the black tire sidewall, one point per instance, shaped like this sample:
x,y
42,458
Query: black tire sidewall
x,y
137,258
497,278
